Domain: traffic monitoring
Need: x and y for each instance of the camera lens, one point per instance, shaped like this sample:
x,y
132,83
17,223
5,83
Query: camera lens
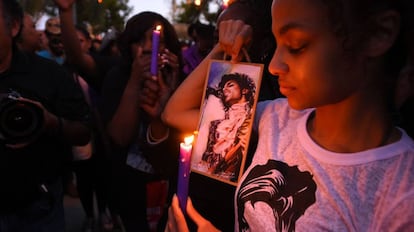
x,y
19,120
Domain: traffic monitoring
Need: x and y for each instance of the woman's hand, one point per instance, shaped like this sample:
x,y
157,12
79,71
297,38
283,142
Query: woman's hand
x,y
176,220
140,69
156,92
233,36
170,68
141,80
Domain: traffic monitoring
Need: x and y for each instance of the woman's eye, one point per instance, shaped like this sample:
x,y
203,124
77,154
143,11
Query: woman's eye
x,y
297,49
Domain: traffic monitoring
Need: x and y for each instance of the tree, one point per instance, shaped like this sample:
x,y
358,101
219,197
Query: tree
x,y
35,8
101,16
188,12
104,15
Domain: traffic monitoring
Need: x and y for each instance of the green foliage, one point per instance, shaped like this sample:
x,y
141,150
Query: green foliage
x,y
189,12
35,8
108,13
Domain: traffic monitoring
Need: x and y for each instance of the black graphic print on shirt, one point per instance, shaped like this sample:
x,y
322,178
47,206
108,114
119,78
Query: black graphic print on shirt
x,y
279,188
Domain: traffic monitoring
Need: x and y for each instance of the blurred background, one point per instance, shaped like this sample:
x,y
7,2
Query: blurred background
x,y
103,15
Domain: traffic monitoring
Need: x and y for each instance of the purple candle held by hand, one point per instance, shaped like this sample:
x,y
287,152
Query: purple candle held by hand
x,y
184,171
155,46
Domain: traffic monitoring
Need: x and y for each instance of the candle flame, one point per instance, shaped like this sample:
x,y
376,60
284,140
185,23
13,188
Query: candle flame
x,y
189,140
158,28
226,3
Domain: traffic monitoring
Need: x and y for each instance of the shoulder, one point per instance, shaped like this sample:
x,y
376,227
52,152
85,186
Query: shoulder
x,y
279,107
276,113
43,53
271,105
33,65
42,63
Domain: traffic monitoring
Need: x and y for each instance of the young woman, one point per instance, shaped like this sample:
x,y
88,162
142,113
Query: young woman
x,y
144,149
337,63
253,19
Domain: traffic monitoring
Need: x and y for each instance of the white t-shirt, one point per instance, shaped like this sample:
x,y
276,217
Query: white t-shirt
x,y
294,184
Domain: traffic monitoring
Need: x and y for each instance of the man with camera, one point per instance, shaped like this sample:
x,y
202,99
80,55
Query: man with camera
x,y
42,115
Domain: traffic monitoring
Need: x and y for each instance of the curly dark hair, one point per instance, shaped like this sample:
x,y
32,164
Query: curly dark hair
x,y
244,81
354,21
135,31
345,17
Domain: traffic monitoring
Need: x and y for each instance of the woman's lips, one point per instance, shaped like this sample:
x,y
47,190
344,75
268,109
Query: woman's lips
x,y
285,89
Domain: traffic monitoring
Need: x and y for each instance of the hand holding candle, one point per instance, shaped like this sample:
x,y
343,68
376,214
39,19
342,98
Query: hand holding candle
x,y
154,54
184,171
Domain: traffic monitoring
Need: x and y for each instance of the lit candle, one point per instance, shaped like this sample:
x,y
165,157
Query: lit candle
x,y
184,171
155,45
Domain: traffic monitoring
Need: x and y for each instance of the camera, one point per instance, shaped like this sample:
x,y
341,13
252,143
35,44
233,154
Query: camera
x,y
19,120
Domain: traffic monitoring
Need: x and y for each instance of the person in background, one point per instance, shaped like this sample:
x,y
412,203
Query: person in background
x,y
145,150
202,36
329,156
54,50
404,98
258,41
29,38
108,44
43,40
96,43
32,159
92,178
90,68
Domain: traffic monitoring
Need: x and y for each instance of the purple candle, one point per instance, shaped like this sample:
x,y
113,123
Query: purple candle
x,y
154,55
184,171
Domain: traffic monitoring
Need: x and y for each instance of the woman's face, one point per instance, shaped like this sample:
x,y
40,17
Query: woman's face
x,y
146,42
232,93
311,64
56,45
85,43
31,38
6,34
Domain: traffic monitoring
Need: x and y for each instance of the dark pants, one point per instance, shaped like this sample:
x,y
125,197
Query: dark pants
x,y
128,197
44,215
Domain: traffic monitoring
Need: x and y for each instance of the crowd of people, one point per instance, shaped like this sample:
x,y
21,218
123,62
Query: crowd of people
x,y
331,147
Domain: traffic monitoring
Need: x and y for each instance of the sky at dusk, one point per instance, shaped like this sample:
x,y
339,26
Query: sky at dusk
x,y
160,6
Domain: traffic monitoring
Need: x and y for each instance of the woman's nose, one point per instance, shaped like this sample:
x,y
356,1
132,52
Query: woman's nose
x,y
277,65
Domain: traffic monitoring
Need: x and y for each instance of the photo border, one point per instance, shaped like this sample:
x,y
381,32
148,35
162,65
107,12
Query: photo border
x,y
216,69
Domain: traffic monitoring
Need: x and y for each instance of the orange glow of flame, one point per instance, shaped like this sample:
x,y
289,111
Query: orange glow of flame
x,y
158,28
226,3
189,140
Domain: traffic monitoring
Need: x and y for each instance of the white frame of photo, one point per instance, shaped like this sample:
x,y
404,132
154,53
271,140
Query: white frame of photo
x,y
212,109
